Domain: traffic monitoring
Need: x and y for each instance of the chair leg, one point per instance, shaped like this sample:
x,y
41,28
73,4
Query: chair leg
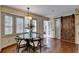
x,y
17,50
40,46
34,49
29,49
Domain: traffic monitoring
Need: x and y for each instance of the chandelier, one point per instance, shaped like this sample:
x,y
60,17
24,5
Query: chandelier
x,y
28,17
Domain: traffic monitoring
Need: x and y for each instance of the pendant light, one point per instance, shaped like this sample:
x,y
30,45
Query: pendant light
x,y
28,17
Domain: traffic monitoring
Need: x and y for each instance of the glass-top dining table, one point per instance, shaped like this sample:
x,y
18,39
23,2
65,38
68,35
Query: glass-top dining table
x,y
30,40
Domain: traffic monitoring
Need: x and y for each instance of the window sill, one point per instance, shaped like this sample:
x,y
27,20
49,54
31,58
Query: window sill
x,y
10,35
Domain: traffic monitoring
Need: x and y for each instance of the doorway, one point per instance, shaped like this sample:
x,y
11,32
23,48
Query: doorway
x,y
47,32
47,29
58,28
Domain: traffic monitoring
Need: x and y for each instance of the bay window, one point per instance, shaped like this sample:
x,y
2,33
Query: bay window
x,y
13,24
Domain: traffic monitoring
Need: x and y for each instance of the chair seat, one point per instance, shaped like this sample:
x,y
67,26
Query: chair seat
x,y
35,44
22,42
22,45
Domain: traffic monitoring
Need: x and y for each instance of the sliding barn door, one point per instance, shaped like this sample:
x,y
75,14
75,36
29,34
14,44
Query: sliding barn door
x,y
68,28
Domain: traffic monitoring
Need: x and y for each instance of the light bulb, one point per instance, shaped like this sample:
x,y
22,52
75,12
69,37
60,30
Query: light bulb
x,y
28,18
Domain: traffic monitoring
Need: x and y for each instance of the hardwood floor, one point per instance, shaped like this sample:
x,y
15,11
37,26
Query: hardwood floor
x,y
53,46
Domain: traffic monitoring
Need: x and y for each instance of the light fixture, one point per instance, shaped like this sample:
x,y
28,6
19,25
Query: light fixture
x,y
30,26
28,17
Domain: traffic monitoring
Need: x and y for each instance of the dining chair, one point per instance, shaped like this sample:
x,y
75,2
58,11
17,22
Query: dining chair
x,y
20,43
36,43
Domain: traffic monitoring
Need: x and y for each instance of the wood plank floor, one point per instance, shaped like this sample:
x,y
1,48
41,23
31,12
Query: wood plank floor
x,y
53,46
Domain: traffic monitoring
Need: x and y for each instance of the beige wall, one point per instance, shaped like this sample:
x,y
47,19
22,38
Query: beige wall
x,y
77,27
0,28
40,26
8,40
52,27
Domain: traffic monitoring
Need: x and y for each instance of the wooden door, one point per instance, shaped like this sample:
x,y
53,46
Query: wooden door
x,y
68,28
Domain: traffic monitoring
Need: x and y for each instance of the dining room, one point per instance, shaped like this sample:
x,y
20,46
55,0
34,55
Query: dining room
x,y
39,29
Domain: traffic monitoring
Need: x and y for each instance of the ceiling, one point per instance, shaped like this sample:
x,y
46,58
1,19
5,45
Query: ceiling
x,y
48,10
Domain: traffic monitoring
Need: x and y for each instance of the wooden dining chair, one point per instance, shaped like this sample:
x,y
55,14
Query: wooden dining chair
x,y
20,43
36,43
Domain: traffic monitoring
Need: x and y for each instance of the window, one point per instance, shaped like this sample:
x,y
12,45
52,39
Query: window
x,y
19,25
26,30
34,28
34,24
8,24
26,25
12,24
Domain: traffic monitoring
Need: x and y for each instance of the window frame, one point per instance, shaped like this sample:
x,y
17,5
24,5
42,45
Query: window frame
x,y
13,24
16,24
5,25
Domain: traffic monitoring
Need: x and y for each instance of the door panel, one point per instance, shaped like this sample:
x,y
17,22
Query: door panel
x,y
68,28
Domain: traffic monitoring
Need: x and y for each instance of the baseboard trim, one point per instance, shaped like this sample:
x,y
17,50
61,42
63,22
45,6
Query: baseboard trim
x,y
0,50
68,41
